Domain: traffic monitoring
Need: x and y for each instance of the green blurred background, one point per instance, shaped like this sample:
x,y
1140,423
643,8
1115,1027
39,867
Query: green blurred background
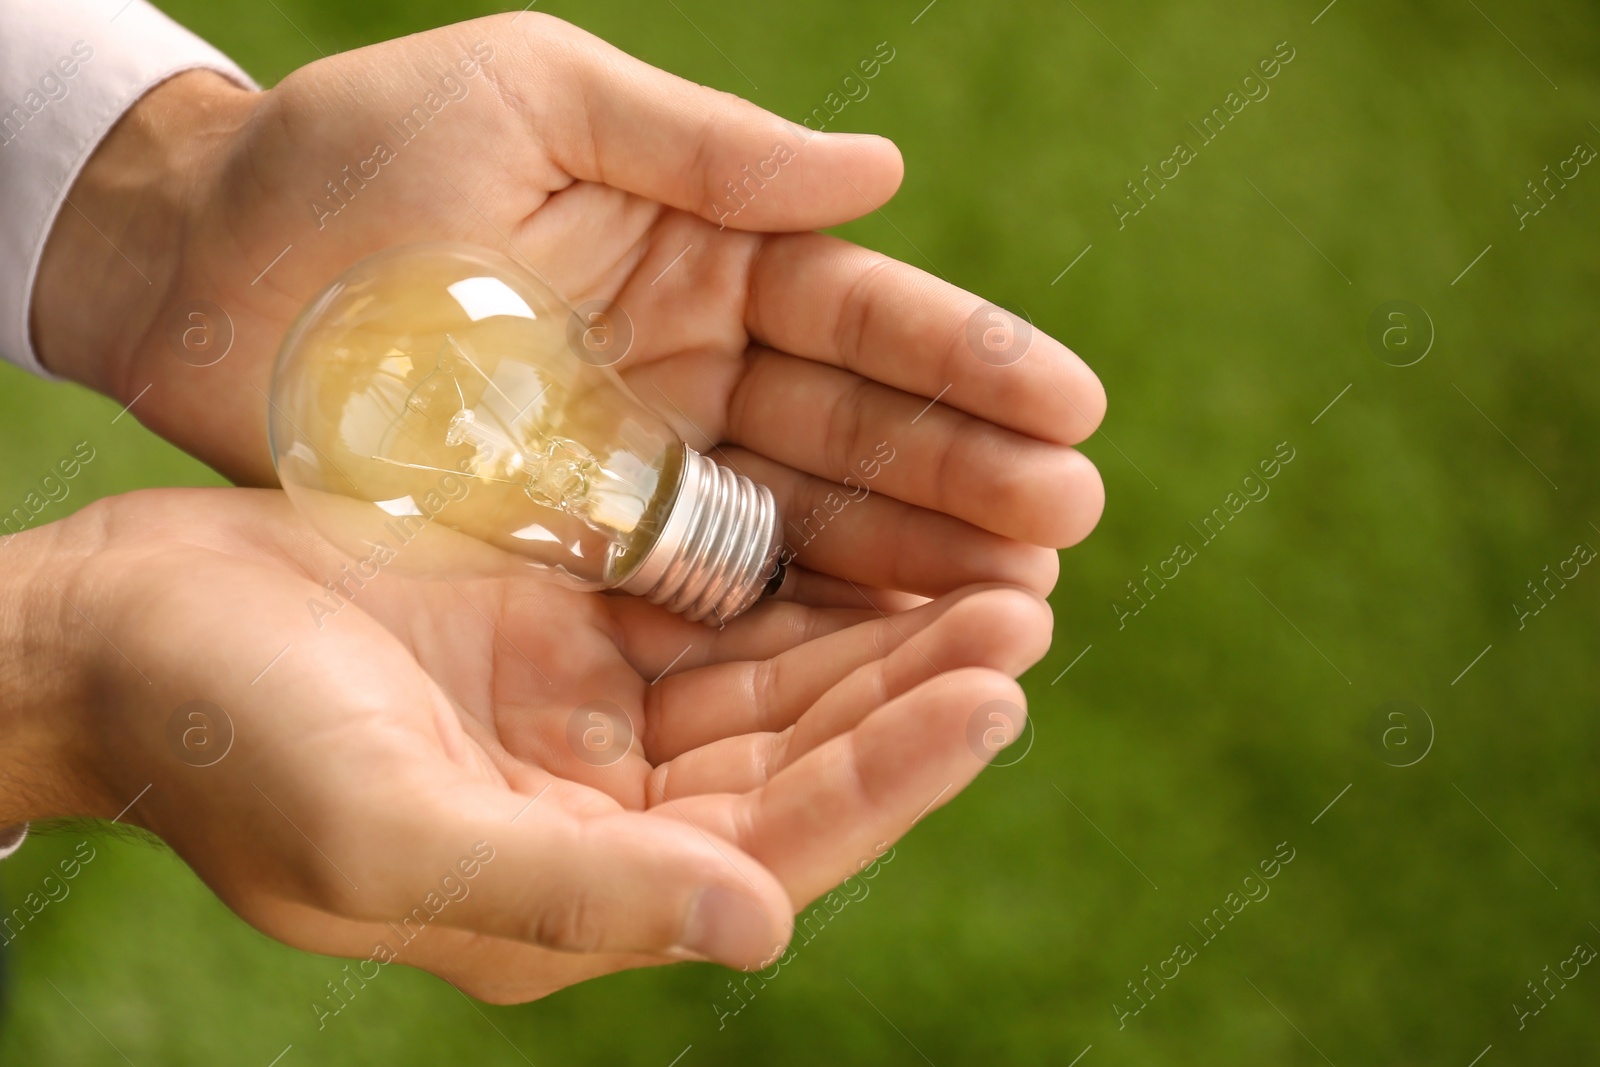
x,y
1182,748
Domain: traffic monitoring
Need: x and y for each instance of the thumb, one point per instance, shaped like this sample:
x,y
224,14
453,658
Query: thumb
x,y
610,118
625,882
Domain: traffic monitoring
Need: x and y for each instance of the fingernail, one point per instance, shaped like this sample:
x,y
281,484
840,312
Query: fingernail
x,y
726,926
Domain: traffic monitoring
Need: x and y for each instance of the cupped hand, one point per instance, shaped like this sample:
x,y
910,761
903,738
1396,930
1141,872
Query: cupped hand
x,y
801,359
509,784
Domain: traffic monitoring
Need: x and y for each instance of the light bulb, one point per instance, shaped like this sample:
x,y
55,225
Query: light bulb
x,y
439,409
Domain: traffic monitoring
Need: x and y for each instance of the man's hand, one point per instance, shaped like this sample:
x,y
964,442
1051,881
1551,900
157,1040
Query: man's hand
x,y
418,770
805,358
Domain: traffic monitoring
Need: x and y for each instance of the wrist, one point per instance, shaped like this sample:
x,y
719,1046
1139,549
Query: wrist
x,y
47,672
115,247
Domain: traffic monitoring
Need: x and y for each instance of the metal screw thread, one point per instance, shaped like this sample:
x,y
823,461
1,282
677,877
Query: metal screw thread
x,y
719,546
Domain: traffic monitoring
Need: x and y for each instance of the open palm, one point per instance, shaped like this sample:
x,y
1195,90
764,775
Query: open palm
x,y
355,765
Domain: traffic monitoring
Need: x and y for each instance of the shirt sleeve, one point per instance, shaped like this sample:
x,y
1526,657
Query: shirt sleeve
x,y
69,69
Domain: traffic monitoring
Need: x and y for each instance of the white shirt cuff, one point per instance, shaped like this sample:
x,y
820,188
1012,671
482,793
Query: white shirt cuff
x,y
11,838
69,69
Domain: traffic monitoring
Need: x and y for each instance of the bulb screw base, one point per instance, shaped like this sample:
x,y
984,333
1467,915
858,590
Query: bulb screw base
x,y
719,551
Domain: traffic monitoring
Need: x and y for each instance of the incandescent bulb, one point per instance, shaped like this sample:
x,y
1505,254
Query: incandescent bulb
x,y
440,409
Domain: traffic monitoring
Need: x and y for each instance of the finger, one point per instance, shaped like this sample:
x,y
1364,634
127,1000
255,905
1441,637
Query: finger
x,y
875,540
1005,630
1001,629
492,969
821,819
607,117
823,590
626,882
828,300
730,765
848,429
698,707
659,644
499,971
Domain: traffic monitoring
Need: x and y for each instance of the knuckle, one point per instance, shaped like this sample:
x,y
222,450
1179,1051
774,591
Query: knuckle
x,y
754,371
573,924
950,457
535,28
766,688
847,428
854,323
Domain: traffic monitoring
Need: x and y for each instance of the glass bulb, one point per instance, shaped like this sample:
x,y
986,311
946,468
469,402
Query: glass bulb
x,y
437,408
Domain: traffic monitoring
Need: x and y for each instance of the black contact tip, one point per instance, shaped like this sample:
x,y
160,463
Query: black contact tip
x,y
776,581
